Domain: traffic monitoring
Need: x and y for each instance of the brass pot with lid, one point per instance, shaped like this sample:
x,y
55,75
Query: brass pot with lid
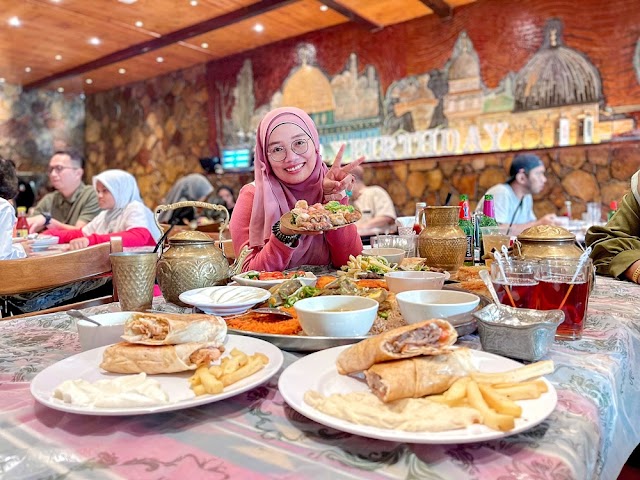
x,y
547,241
192,260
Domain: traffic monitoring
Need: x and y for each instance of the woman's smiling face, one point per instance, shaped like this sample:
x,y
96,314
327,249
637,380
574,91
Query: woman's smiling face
x,y
294,168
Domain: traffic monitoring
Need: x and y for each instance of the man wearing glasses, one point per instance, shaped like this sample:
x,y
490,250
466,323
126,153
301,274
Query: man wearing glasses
x,y
73,204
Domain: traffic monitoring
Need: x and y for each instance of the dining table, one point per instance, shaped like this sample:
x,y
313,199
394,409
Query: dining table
x,y
255,434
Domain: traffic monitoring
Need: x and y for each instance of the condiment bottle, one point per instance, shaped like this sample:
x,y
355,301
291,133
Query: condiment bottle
x,y
22,226
613,208
418,224
488,219
567,209
466,225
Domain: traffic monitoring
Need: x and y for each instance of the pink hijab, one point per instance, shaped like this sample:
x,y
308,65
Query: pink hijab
x,y
273,198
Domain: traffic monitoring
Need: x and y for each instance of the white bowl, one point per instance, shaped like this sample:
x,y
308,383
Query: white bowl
x,y
393,255
402,281
336,315
92,336
241,279
419,305
225,300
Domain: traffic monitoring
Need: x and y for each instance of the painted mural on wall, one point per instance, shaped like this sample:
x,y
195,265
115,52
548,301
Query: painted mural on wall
x,y
554,100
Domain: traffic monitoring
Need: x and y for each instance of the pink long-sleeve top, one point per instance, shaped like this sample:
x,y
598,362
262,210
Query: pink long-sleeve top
x,y
133,237
275,255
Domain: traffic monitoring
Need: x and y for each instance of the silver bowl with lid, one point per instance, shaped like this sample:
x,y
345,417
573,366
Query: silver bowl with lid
x,y
520,333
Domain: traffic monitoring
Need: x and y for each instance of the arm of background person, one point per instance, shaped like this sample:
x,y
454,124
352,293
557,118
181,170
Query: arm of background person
x,y
134,237
36,220
616,246
8,250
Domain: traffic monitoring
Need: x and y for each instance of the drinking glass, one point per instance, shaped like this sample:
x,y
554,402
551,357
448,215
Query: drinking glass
x,y
515,282
404,242
134,276
565,284
494,238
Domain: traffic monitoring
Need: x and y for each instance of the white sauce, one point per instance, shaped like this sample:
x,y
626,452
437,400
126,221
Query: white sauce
x,y
128,391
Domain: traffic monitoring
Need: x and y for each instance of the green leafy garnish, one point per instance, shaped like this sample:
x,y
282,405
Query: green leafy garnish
x,y
334,206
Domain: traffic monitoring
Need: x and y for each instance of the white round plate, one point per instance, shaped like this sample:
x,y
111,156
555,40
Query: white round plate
x,y
225,300
241,279
85,366
326,380
45,240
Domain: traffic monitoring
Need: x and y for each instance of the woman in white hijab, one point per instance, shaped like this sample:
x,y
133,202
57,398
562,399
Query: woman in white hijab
x,y
123,215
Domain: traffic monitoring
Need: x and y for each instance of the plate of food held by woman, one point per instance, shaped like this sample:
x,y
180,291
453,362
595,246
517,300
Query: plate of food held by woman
x,y
305,218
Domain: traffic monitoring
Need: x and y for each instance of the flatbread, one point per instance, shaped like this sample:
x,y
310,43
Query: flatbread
x,y
154,359
418,376
431,337
173,329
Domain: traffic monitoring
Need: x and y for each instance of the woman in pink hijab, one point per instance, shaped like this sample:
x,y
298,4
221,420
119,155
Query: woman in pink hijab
x,y
288,168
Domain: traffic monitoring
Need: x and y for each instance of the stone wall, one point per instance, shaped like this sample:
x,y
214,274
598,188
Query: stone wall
x,y
35,124
157,130
582,174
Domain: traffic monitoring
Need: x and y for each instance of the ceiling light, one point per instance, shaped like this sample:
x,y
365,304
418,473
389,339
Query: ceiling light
x,y
58,57
258,27
128,2
139,24
194,3
27,69
60,89
88,81
15,22
55,1
2,80
324,8
122,71
94,41
204,45
159,59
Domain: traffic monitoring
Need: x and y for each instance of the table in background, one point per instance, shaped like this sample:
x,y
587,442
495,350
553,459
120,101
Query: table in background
x,y
256,435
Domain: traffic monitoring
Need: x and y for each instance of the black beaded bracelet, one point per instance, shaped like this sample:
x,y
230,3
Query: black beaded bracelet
x,y
288,240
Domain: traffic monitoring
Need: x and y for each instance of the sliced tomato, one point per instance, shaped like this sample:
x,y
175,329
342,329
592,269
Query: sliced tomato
x,y
271,276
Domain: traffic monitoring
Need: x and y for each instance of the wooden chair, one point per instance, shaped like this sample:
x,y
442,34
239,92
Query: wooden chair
x,y
40,273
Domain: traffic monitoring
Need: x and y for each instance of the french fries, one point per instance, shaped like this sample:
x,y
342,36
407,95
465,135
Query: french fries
x,y
494,394
238,365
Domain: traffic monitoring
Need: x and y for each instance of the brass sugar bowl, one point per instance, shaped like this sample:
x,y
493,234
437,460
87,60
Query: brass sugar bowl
x,y
547,241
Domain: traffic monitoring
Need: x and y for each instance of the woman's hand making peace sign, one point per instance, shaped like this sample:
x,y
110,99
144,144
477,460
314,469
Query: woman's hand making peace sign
x,y
338,179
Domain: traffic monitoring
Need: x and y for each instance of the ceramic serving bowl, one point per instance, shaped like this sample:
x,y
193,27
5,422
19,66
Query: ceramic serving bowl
x,y
402,281
419,305
336,315
112,328
393,255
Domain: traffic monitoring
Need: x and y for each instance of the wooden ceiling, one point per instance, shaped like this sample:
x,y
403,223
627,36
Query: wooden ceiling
x,y
51,47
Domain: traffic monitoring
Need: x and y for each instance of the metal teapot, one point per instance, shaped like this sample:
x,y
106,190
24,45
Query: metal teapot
x,y
547,241
193,259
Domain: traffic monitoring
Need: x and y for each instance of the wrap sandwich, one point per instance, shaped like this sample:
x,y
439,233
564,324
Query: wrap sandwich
x,y
126,357
418,376
431,337
173,329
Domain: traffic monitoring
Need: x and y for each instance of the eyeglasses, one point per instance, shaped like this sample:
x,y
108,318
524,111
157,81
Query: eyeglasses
x,y
58,169
278,153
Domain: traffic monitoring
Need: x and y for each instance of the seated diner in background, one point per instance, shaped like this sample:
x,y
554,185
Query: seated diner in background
x,y
193,187
123,215
513,200
8,190
375,204
616,245
288,168
73,204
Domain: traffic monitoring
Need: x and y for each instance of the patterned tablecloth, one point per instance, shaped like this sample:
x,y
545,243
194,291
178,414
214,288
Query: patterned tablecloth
x,y
256,435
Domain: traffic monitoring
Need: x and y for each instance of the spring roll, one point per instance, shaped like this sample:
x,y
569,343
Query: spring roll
x,y
418,376
154,359
431,337
174,329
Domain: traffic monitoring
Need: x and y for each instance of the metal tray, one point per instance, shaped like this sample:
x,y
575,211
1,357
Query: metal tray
x,y
464,325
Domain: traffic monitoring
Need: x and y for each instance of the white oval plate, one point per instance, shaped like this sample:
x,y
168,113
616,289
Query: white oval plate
x,y
309,279
85,366
295,381
225,300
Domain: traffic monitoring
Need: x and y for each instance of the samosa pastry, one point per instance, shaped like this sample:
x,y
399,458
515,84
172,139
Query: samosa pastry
x,y
418,376
154,359
174,329
431,337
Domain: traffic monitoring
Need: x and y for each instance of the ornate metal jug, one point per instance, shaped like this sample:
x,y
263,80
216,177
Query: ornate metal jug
x,y
193,259
442,242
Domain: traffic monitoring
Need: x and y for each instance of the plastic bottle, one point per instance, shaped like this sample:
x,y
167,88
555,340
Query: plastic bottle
x,y
567,209
467,227
613,208
418,224
22,226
